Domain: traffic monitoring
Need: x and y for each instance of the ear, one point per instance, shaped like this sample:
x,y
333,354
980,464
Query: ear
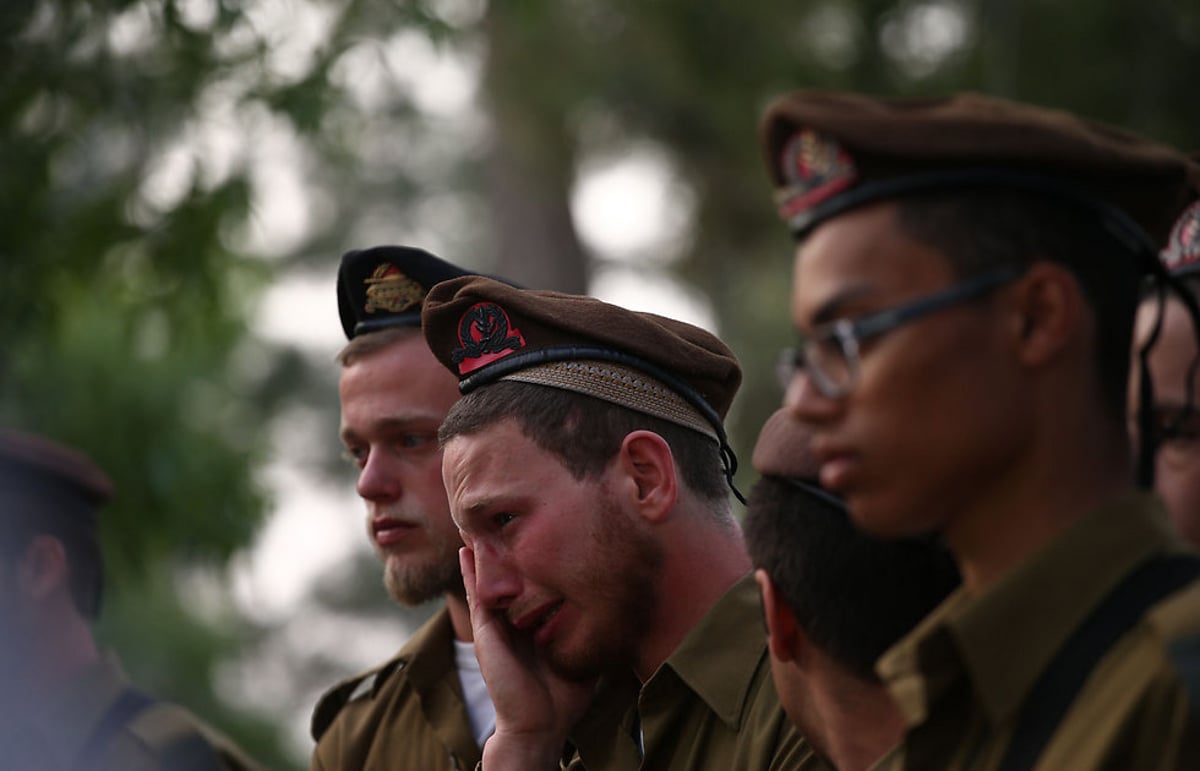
x,y
785,638
1049,311
646,462
43,568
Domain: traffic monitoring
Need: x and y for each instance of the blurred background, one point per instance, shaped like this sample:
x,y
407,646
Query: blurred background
x,y
178,179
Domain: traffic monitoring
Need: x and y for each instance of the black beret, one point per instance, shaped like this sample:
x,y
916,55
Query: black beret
x,y
483,331
828,152
385,285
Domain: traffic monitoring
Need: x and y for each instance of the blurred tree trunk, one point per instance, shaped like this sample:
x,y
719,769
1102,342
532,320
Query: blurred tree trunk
x,y
1001,47
531,159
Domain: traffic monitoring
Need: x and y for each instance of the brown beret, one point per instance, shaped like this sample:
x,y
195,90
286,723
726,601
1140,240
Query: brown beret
x,y
784,451
828,152
483,330
65,479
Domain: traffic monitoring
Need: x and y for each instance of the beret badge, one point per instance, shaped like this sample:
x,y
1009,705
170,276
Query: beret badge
x,y
1182,253
814,168
388,289
485,334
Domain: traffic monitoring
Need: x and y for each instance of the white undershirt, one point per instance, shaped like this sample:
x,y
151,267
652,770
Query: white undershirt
x,y
480,711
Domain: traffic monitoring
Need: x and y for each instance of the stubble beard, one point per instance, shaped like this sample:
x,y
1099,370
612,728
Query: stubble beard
x,y
623,581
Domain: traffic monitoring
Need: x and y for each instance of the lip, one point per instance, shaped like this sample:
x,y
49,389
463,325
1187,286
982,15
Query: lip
x,y
838,465
541,622
387,531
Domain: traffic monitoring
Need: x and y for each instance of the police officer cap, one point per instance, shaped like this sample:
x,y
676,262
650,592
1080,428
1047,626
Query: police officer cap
x,y
828,152
784,451
384,286
59,479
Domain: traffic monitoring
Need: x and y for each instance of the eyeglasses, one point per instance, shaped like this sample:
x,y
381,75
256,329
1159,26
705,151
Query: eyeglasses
x,y
830,355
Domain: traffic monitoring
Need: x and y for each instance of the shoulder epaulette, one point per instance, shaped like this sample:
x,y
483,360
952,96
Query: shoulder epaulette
x,y
358,687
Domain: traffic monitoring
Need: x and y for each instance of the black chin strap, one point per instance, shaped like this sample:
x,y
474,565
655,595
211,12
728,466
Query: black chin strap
x,y
730,463
1149,430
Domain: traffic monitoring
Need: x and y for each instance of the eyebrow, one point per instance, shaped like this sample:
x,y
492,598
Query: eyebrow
x,y
475,509
395,423
829,310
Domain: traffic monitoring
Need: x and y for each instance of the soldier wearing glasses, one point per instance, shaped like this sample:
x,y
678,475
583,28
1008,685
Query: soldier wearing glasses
x,y
1171,362
966,279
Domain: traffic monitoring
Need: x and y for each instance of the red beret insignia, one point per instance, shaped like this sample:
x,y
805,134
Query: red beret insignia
x,y
1183,247
814,168
485,334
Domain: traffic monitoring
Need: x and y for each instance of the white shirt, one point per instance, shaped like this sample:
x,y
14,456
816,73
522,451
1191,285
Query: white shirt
x,y
480,711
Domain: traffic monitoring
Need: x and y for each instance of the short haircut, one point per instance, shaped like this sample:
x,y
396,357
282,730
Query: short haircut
x,y
979,230
362,346
854,595
28,514
585,433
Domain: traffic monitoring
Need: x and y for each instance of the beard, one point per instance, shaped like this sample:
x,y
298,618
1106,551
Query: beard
x,y
620,584
413,579
411,583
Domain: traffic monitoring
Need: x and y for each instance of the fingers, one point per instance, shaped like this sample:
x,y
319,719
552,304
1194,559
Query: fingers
x,y
466,562
479,617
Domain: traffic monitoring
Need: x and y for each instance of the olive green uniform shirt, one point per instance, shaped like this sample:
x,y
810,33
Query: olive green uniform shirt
x,y
158,737
711,705
406,714
961,677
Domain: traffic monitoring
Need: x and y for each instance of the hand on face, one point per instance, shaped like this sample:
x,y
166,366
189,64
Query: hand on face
x,y
535,708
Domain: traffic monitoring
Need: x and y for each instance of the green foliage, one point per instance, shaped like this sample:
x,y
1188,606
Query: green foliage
x,y
125,303
122,311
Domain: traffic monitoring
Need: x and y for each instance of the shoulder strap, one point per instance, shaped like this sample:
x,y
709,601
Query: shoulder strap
x,y
123,710
190,752
331,702
1057,687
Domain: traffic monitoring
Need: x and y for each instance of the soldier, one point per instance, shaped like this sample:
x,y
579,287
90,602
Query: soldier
x,y
426,708
1172,359
586,465
965,283
834,600
66,704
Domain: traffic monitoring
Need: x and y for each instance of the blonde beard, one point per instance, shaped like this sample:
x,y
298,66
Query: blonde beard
x,y
412,585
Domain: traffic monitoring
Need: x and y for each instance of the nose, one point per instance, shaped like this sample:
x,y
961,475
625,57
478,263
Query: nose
x,y
497,582
805,401
378,480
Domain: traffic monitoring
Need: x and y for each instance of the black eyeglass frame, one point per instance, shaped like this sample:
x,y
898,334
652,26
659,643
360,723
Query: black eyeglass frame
x,y
850,333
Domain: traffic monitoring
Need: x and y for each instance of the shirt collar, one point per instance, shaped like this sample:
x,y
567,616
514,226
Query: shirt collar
x,y
720,655
80,705
429,654
1040,603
